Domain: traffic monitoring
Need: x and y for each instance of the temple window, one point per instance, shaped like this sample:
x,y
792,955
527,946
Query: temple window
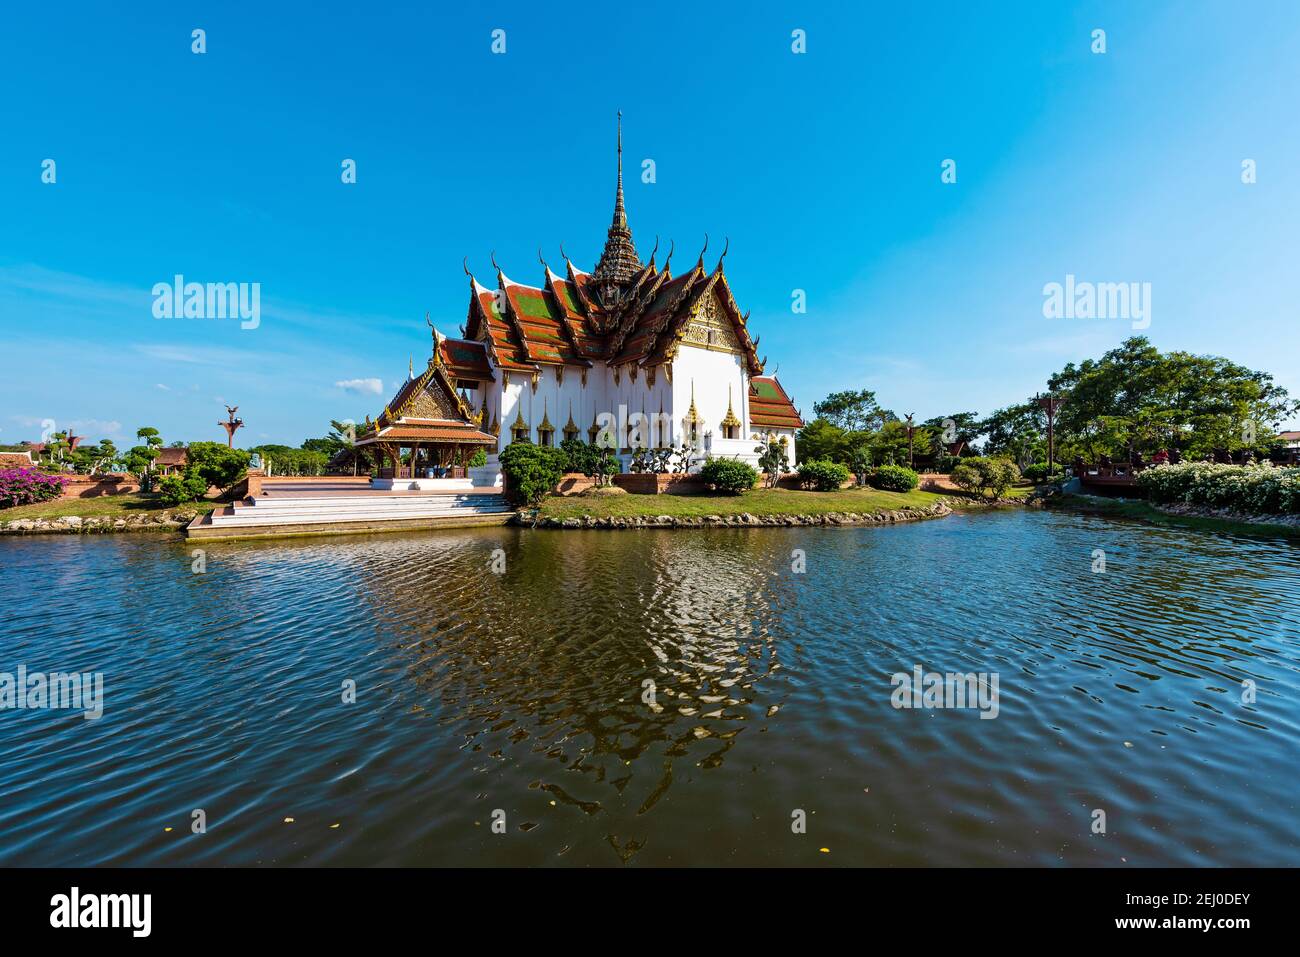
x,y
545,431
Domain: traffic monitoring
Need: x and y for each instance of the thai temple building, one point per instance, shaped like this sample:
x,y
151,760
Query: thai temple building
x,y
654,356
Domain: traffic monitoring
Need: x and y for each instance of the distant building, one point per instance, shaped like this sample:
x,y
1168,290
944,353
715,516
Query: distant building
x,y
171,460
1290,442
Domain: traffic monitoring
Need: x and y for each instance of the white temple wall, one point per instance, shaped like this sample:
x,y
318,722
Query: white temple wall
x,y
712,373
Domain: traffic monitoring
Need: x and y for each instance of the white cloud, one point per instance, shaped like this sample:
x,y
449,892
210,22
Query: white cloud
x,y
361,386
165,388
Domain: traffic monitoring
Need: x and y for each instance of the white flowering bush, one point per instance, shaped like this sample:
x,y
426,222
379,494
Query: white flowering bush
x,y
1262,488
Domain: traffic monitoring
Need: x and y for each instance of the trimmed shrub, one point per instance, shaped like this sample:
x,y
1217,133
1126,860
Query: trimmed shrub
x,y
532,471
28,486
944,464
1260,489
478,459
177,490
985,476
893,478
729,475
216,464
823,476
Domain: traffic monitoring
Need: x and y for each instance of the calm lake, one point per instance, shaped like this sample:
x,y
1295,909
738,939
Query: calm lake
x,y
524,692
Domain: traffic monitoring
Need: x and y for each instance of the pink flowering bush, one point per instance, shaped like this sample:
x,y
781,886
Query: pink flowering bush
x,y
27,486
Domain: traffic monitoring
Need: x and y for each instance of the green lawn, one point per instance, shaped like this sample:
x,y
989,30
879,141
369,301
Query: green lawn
x,y
759,501
112,506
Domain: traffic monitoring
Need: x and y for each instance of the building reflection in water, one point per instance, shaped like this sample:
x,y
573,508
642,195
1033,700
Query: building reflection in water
x,y
617,656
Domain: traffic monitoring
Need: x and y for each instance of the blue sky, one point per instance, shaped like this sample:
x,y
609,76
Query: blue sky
x,y
823,169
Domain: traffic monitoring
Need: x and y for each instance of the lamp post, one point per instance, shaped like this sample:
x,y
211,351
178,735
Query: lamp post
x,y
1049,403
910,432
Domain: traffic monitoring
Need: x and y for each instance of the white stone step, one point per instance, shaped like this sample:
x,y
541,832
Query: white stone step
x,y
385,503
378,508
253,521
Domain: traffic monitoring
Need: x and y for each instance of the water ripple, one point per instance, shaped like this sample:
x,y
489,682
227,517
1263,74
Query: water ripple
x,y
658,697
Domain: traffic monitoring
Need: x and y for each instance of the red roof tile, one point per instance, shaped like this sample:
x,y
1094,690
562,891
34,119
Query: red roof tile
x,y
769,406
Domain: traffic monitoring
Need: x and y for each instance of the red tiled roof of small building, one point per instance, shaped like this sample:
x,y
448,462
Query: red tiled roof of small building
x,y
465,359
419,432
769,406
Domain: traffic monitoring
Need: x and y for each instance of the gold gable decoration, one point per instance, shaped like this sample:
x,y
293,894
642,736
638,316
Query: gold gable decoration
x,y
709,327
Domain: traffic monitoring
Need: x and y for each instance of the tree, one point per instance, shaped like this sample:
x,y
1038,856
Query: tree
x,y
216,464
145,455
822,439
948,430
1018,432
90,459
991,475
1137,400
852,411
889,444
773,459
342,435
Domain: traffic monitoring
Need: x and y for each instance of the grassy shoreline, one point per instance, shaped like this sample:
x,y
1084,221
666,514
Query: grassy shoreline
x,y
136,511
759,502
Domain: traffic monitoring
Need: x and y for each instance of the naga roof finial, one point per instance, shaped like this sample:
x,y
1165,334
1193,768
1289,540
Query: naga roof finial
x,y
705,249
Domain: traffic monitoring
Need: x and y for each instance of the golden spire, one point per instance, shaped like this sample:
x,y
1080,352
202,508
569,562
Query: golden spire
x,y
691,414
731,419
619,261
546,421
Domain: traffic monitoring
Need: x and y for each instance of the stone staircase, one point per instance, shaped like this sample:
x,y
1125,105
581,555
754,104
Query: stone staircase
x,y
274,515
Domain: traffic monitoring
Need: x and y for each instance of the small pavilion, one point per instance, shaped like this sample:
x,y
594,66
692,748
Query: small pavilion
x,y
430,421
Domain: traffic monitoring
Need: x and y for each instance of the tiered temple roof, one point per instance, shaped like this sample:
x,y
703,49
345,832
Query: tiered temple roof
x,y
528,327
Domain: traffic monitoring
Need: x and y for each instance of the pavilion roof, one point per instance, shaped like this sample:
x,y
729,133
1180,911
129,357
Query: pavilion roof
x,y
445,432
